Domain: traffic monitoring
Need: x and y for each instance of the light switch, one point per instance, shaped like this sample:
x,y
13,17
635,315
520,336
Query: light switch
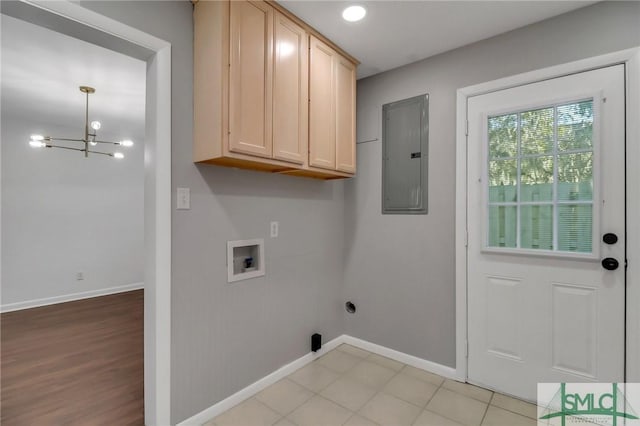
x,y
183,199
274,229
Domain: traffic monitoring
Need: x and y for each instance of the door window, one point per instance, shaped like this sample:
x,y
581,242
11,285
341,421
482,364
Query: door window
x,y
540,178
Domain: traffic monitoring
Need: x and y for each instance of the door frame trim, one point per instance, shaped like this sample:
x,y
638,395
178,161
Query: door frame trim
x,y
157,202
631,59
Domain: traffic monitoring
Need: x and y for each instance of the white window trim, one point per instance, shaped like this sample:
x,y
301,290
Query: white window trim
x,y
631,59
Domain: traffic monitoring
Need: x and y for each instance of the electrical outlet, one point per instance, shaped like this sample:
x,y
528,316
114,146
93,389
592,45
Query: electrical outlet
x,y
183,196
79,276
274,229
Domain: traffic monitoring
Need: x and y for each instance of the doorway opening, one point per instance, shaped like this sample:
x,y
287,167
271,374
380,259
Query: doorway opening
x,y
72,19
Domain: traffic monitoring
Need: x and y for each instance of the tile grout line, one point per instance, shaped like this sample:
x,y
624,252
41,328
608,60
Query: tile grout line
x,y
467,396
486,410
373,396
355,413
512,411
377,391
432,396
381,390
313,392
301,404
340,375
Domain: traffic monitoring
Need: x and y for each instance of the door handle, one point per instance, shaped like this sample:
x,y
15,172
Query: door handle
x,y
610,264
610,238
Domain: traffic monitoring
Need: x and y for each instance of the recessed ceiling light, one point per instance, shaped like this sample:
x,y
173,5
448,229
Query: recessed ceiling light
x,y
354,13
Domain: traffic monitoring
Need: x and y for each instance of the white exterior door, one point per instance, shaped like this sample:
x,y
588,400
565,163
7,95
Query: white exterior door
x,y
545,185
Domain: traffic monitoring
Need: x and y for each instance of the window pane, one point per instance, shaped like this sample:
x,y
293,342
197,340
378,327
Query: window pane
x,y
575,228
536,179
575,126
542,162
536,227
503,136
575,176
502,180
537,131
502,226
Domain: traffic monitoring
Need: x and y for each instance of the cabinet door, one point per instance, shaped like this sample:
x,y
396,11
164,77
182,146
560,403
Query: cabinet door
x,y
250,83
322,115
290,91
345,115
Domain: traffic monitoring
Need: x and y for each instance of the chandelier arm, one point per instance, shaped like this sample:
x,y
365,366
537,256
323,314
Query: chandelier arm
x,y
64,147
98,152
80,149
107,142
49,138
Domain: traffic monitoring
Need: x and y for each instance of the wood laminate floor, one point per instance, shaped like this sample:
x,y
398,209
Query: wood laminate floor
x,y
75,363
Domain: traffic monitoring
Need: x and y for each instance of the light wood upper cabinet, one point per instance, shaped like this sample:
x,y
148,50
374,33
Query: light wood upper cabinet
x,y
345,116
250,73
332,106
290,91
322,110
257,104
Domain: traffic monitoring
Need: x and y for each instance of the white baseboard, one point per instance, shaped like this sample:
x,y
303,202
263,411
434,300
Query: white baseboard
x,y
282,372
414,361
27,304
261,384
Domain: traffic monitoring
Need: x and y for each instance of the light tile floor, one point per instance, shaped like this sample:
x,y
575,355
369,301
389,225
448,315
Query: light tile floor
x,y
352,387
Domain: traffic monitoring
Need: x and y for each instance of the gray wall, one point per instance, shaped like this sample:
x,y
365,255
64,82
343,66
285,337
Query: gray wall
x,y
400,269
226,336
63,214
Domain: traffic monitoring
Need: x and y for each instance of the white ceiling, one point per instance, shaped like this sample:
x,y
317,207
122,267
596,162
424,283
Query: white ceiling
x,y
395,33
42,69
41,72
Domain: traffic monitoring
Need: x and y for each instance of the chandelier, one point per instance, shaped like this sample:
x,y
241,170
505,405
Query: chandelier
x,y
89,139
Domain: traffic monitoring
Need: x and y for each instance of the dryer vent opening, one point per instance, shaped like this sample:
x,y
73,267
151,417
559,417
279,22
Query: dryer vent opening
x,y
350,307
